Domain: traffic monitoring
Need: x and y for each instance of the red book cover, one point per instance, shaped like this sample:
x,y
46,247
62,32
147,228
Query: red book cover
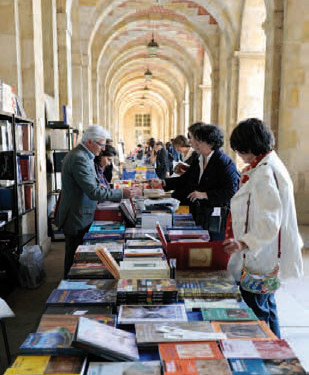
x,y
24,169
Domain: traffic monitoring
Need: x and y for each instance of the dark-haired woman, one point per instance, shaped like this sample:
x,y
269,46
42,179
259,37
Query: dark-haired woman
x,y
210,182
187,152
263,218
101,162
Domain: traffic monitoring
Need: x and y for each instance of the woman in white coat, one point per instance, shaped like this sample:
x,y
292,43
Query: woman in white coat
x,y
257,228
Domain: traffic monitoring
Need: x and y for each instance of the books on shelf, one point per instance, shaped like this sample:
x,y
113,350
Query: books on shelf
x,y
82,297
124,368
189,350
268,349
130,314
197,367
7,98
105,341
25,168
257,330
6,136
89,271
24,137
59,139
45,365
144,269
228,314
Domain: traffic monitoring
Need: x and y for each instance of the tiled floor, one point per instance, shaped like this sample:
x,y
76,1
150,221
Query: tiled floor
x,y
28,305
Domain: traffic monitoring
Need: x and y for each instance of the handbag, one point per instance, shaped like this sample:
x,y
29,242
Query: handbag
x,y
260,283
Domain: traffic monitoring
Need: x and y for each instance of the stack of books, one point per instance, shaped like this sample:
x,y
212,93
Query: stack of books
x,y
87,253
144,269
147,291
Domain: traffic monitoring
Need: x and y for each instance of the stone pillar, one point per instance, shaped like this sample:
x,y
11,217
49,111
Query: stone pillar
x,y
86,115
214,94
9,45
33,94
294,109
206,107
64,59
251,84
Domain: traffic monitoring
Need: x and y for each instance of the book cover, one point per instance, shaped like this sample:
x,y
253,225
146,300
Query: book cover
x,y
189,350
268,349
47,365
150,244
108,261
52,342
163,313
88,284
80,297
229,314
248,367
105,341
197,367
150,334
79,310
50,322
289,366
192,304
146,286
258,330
124,368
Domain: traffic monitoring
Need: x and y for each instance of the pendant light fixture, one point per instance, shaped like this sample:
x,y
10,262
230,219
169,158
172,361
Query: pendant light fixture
x,y
152,47
148,75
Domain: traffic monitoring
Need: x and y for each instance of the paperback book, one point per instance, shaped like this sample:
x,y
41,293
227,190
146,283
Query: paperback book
x,y
229,314
83,310
197,367
82,297
108,261
88,284
87,253
196,304
151,334
257,330
105,341
89,271
268,349
124,368
47,365
143,268
189,350
130,314
143,244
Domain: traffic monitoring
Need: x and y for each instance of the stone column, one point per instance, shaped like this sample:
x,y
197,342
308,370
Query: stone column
x,y
206,106
33,94
86,113
64,33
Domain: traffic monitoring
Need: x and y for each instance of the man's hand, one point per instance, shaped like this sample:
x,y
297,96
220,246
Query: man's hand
x,y
232,246
131,192
197,195
156,183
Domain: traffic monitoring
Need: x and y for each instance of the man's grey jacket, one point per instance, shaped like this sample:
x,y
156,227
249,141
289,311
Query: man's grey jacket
x,y
80,192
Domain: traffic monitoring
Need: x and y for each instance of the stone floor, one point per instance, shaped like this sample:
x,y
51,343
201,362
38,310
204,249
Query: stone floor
x,y
28,305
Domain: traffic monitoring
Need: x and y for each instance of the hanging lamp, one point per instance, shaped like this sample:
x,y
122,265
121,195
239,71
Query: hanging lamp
x,y
152,47
148,75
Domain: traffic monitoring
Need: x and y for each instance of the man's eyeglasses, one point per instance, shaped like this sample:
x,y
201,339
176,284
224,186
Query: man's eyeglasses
x,y
102,145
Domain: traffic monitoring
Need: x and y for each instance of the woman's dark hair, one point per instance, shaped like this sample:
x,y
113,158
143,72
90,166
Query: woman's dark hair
x,y
160,143
151,142
108,151
252,135
181,141
194,127
210,134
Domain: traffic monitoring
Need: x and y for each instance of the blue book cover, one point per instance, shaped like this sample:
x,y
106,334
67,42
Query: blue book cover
x,y
248,366
82,297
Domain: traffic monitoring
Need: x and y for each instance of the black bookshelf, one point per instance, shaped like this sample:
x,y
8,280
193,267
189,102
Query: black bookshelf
x,y
17,194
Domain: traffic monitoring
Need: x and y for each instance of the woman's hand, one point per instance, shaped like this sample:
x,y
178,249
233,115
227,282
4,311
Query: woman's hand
x,y
197,195
131,192
232,246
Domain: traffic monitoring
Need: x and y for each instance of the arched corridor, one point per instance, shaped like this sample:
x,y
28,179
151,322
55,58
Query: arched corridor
x,y
217,60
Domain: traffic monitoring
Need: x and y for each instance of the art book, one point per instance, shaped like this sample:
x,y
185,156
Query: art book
x,y
289,366
258,330
150,334
197,367
268,349
88,284
105,341
141,314
51,322
82,297
192,304
124,368
189,350
51,342
231,314
47,365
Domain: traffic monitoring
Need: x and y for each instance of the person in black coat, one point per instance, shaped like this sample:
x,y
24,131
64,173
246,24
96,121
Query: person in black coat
x,y
210,182
161,160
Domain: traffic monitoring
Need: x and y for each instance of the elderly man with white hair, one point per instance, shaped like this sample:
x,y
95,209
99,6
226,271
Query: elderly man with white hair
x,y
81,191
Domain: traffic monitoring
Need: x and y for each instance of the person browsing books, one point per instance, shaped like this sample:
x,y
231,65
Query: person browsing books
x,y
81,191
187,152
210,182
263,226
101,162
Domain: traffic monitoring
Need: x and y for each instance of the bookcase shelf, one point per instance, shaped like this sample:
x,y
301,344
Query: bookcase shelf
x,y
17,189
60,139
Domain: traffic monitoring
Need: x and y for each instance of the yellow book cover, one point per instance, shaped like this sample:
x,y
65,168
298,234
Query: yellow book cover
x,y
28,365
